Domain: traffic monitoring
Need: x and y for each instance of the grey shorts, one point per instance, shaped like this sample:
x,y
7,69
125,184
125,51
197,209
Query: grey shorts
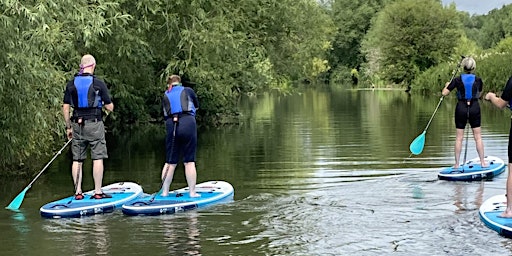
x,y
89,134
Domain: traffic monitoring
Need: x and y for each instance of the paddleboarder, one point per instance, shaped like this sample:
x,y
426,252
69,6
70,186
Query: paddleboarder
x,y
179,105
87,95
469,89
502,102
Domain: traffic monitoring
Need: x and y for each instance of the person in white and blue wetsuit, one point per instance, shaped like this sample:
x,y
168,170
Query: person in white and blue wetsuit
x,y
469,90
87,95
501,102
179,106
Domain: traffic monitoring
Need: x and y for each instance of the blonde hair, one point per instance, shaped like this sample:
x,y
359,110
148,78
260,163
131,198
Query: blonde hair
x,y
173,79
87,60
469,64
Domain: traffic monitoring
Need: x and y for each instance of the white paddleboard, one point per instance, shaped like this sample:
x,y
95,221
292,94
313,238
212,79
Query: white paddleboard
x,y
121,192
212,192
490,211
472,170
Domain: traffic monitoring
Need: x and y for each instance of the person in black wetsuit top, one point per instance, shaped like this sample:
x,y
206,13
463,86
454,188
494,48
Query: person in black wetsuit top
x,y
180,105
469,89
87,95
502,102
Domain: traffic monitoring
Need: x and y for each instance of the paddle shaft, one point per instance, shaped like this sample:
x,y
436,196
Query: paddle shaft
x,y
467,136
48,164
175,121
454,72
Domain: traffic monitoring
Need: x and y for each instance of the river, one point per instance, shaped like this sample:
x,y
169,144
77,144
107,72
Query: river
x,y
323,172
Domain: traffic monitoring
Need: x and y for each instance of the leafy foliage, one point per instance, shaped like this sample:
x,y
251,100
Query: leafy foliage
x,y
221,48
409,37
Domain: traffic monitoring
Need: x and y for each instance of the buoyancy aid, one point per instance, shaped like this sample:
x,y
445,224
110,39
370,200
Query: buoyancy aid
x,y
470,93
87,96
178,102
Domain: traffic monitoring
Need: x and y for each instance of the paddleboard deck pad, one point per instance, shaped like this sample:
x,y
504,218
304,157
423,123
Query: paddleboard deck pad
x,y
212,192
69,207
490,212
472,170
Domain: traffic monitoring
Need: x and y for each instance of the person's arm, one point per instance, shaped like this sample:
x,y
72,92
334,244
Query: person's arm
x,y
105,96
67,120
506,96
446,91
495,100
109,107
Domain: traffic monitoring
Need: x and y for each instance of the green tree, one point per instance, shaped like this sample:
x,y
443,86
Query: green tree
x,y
410,36
352,19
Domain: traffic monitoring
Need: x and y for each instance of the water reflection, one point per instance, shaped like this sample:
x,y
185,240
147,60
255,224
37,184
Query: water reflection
x,y
178,243
83,235
463,196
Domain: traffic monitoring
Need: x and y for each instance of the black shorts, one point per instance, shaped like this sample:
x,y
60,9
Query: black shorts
x,y
183,142
465,113
510,143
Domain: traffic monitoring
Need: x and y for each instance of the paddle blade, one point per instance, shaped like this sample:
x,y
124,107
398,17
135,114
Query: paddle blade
x,y
16,203
417,144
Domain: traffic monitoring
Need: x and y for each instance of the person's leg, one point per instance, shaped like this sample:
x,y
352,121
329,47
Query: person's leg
x,y
189,153
167,175
508,211
191,175
458,146
477,135
96,135
76,172
78,150
97,174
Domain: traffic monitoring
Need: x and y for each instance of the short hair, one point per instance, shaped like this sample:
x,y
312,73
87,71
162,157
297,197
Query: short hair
x,y
468,64
173,78
87,60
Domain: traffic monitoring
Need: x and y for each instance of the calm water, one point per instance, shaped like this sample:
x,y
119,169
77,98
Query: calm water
x,y
324,172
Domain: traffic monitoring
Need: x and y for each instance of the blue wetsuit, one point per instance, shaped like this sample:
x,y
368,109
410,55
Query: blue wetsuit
x,y
179,106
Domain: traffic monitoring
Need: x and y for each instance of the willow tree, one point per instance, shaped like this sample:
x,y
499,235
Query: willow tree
x,y
408,37
41,43
222,48
227,47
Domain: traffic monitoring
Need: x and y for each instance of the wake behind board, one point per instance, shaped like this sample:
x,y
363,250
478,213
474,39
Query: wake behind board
x,y
69,207
472,170
490,211
212,192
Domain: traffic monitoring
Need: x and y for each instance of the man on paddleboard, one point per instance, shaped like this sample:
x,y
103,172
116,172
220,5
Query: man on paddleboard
x,y
179,105
87,95
469,89
502,102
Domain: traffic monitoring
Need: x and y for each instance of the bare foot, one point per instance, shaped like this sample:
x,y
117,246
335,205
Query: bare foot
x,y
506,214
194,195
484,165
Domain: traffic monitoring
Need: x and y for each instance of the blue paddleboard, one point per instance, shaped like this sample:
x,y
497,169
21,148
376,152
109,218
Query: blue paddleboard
x,y
490,211
121,192
472,170
212,192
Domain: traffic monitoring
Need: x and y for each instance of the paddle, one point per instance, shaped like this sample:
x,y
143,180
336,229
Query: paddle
x,y
16,202
467,136
417,144
175,121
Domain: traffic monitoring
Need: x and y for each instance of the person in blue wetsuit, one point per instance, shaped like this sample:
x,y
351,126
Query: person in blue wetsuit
x,y
502,102
87,95
469,89
180,105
